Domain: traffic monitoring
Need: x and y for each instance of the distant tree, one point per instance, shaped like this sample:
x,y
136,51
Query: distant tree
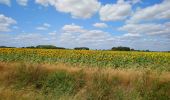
x,y
81,48
6,47
60,48
46,46
132,49
120,48
114,48
147,51
3,47
30,47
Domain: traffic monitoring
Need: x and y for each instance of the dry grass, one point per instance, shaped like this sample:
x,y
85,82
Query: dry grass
x,y
95,78
125,75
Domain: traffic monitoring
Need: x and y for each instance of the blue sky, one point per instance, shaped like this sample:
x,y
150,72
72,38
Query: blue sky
x,y
98,24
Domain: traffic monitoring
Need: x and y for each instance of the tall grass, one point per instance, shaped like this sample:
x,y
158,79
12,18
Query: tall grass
x,y
64,82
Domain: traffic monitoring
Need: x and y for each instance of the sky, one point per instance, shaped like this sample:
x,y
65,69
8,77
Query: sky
x,y
97,24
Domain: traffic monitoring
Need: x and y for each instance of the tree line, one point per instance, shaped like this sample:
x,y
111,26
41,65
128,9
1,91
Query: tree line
x,y
119,48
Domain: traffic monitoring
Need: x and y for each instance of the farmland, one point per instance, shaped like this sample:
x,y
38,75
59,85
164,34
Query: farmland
x,y
83,75
114,59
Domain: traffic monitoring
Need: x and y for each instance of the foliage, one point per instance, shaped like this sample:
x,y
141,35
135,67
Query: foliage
x,y
114,59
81,48
121,48
48,47
6,47
44,47
40,83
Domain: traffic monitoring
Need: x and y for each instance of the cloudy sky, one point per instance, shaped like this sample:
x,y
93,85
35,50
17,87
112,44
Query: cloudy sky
x,y
97,24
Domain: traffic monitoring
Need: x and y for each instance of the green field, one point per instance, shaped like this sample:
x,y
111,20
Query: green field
x,y
114,59
50,74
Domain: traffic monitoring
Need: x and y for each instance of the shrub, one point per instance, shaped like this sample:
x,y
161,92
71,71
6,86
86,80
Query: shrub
x,y
46,46
121,48
81,48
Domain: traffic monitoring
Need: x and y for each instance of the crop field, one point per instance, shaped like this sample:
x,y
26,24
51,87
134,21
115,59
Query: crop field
x,y
53,74
114,59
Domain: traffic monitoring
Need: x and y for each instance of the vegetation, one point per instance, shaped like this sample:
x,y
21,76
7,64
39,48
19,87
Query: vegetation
x,y
54,74
81,48
6,47
44,47
121,48
63,82
114,59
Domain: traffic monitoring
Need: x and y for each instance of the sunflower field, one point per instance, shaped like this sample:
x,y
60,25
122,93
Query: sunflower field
x,y
114,59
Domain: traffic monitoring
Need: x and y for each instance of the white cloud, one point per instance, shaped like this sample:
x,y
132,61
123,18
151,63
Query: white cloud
x,y
100,25
74,35
53,33
131,35
45,26
77,8
43,2
5,23
134,1
72,28
114,12
94,39
41,28
6,2
26,39
147,28
157,11
22,2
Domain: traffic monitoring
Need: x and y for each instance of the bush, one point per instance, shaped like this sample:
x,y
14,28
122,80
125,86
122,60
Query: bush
x,y
121,48
30,47
46,46
81,48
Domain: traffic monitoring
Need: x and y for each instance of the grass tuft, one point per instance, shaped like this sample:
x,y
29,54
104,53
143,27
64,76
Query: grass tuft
x,y
64,82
